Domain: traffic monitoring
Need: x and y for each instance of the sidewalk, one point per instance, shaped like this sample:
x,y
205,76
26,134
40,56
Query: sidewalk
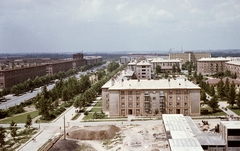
x,y
223,105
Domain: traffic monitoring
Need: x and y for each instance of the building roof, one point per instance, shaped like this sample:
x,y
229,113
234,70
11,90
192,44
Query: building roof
x,y
216,80
231,124
153,84
233,63
214,59
165,60
182,136
143,63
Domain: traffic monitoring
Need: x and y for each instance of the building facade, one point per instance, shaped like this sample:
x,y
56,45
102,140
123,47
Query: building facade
x,y
233,67
210,66
149,97
165,64
189,56
9,78
230,132
143,70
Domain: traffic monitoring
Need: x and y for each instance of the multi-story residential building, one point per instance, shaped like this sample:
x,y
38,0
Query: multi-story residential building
x,y
233,67
143,70
17,70
210,66
11,77
165,64
124,59
189,56
146,97
230,132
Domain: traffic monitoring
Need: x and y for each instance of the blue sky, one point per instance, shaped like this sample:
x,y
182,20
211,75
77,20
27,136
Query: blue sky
x,y
118,25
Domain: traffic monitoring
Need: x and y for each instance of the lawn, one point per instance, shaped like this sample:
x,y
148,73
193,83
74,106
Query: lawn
x,y
235,109
96,109
205,112
99,103
19,118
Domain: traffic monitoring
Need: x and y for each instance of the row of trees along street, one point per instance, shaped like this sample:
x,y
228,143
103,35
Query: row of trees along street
x,y
80,93
31,84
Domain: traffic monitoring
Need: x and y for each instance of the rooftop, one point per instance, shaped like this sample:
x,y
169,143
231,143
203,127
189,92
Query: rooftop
x,y
153,84
233,62
215,59
231,124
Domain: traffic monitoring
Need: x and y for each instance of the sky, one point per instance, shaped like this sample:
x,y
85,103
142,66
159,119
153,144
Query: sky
x,y
28,26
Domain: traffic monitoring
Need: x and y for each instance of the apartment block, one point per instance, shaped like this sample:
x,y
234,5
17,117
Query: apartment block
x,y
210,66
11,77
148,97
189,56
233,67
165,64
143,70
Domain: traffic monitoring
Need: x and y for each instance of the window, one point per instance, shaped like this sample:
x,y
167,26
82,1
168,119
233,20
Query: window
x,y
170,91
185,104
170,103
138,111
170,98
178,92
129,104
122,92
137,104
129,92
146,92
123,111
178,98
185,91
137,92
137,98
130,98
123,105
170,110
154,98
122,98
154,105
185,98
178,104
154,92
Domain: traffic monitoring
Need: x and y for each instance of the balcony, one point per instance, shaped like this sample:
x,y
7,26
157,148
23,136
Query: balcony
x,y
233,137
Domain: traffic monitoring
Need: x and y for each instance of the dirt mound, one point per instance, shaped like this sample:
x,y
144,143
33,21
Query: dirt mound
x,y
65,145
94,133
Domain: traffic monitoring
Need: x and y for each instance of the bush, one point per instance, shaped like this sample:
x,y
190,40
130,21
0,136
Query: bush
x,y
86,113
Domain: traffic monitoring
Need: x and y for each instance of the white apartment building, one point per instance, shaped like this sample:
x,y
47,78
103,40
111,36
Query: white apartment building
x,y
165,64
146,97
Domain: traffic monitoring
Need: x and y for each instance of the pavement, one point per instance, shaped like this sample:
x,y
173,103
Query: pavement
x,y
50,130
223,105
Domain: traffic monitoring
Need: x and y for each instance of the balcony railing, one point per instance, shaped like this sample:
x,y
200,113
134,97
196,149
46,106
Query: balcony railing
x,y
233,137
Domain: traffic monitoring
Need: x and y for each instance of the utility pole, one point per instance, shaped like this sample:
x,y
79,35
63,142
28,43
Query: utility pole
x,y
64,130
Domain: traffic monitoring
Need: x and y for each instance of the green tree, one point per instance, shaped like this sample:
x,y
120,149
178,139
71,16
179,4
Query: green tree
x,y
232,95
28,121
13,128
173,68
220,89
212,91
238,99
203,95
2,136
158,69
15,90
226,87
213,103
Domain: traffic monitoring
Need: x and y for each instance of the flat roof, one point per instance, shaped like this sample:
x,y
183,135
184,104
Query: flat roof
x,y
231,124
154,84
182,136
233,62
165,60
215,59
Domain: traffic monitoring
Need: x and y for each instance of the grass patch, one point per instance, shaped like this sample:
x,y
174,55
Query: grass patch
x,y
88,117
235,109
94,109
99,103
76,116
19,118
207,111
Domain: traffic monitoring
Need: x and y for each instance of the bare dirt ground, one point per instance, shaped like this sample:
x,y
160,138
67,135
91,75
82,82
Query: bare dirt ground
x,y
116,138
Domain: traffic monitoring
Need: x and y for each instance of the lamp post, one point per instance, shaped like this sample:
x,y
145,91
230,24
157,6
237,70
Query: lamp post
x,y
64,130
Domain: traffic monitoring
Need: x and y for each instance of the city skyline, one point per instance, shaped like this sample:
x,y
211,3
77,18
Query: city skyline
x,y
117,26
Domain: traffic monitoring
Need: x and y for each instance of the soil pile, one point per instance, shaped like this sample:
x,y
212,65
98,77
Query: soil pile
x,y
94,133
